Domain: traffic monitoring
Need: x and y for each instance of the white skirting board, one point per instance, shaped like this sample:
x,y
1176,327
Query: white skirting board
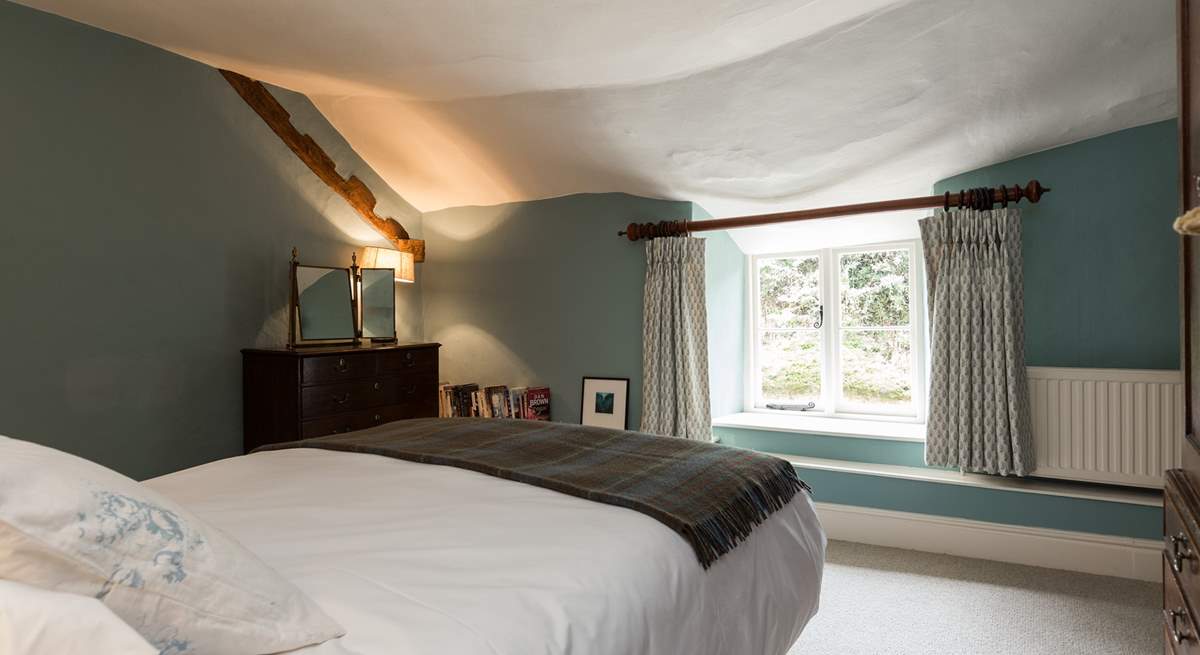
x,y
1125,557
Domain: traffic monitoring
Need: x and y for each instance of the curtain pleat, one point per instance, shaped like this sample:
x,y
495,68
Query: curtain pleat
x,y
978,393
675,399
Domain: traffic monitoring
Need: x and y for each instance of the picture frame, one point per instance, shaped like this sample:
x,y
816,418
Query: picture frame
x,y
604,402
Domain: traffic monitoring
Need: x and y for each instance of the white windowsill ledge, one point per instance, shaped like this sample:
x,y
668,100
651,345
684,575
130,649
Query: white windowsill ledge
x,y
840,427
1126,495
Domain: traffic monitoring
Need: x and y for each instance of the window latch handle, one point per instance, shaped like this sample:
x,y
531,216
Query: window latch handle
x,y
820,317
792,408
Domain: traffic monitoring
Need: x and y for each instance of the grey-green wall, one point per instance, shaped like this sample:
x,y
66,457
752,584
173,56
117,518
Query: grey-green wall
x,y
541,292
1101,291
1101,260
148,215
725,291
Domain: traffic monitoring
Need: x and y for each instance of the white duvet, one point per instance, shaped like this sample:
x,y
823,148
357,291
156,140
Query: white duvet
x,y
432,560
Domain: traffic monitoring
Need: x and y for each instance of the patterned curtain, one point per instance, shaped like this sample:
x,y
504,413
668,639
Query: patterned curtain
x,y
675,340
978,400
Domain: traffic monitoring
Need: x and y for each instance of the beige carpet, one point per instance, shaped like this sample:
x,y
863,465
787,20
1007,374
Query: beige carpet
x,y
888,601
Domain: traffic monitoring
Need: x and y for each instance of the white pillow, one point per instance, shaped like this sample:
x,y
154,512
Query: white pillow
x,y
38,622
70,525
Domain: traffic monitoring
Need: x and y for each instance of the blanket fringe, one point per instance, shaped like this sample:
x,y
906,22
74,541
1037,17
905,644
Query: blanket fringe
x,y
724,530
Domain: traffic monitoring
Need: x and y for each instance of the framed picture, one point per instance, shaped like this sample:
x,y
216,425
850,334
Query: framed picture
x,y
605,403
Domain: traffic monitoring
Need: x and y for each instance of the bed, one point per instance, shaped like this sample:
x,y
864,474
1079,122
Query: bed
x,y
423,559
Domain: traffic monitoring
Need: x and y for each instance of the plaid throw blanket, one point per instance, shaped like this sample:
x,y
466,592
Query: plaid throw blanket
x,y
711,495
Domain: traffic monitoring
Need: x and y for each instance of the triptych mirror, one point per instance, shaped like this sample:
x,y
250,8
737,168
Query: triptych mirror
x,y
331,306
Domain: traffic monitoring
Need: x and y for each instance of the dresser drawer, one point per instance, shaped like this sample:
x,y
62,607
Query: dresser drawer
x,y
1179,544
364,419
337,424
290,394
1179,628
326,399
414,359
335,368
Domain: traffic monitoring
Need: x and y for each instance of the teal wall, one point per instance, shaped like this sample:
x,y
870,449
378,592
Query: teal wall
x,y
725,300
541,292
1101,291
980,504
148,218
975,503
1101,260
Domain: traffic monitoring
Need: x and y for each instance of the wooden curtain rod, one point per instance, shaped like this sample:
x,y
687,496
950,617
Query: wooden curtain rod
x,y
1032,191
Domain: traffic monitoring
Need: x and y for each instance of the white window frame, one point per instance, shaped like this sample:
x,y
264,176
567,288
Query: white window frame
x,y
829,404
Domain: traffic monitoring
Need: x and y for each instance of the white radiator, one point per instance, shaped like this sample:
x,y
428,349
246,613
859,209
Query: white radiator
x,y
1118,426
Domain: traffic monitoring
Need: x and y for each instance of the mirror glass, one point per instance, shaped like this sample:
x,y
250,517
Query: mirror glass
x,y
379,303
326,305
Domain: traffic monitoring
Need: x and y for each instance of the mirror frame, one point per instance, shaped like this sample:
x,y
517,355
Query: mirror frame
x,y
358,275
354,279
295,329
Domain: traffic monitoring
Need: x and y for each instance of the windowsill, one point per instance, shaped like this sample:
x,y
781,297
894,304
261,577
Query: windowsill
x,y
1127,495
841,427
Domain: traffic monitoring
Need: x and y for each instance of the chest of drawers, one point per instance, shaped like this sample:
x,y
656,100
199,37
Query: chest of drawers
x,y
1181,564
297,394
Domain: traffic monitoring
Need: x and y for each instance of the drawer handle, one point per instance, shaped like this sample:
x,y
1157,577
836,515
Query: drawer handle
x,y
1181,549
343,400
378,385
342,367
1172,618
378,418
412,388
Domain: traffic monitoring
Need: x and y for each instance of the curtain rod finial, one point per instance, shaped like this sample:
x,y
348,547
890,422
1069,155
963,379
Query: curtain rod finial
x,y
1034,190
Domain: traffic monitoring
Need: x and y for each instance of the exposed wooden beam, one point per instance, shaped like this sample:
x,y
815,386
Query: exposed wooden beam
x,y
353,190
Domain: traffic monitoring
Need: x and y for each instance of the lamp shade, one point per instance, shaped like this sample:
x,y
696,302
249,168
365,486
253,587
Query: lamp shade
x,y
401,262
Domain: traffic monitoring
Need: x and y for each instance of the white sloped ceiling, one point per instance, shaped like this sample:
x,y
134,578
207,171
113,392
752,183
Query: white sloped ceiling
x,y
743,107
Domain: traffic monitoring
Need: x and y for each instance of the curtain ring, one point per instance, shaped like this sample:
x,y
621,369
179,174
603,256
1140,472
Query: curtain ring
x,y
946,202
961,193
1004,196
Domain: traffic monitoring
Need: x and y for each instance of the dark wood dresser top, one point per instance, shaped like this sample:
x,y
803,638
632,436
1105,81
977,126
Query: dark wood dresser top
x,y
309,351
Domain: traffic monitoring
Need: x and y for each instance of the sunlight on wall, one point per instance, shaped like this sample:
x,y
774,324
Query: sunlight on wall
x,y
476,350
463,231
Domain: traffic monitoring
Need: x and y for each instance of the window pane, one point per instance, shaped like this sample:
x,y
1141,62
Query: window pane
x,y
791,366
877,367
874,288
789,292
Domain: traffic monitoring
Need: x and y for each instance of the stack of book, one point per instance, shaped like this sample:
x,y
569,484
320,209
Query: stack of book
x,y
529,403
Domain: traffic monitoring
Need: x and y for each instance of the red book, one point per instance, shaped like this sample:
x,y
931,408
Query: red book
x,y
538,401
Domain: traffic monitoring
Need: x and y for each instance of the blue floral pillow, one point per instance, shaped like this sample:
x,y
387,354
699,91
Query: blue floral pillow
x,y
70,525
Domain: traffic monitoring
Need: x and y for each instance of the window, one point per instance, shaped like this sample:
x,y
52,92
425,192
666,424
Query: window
x,y
838,332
